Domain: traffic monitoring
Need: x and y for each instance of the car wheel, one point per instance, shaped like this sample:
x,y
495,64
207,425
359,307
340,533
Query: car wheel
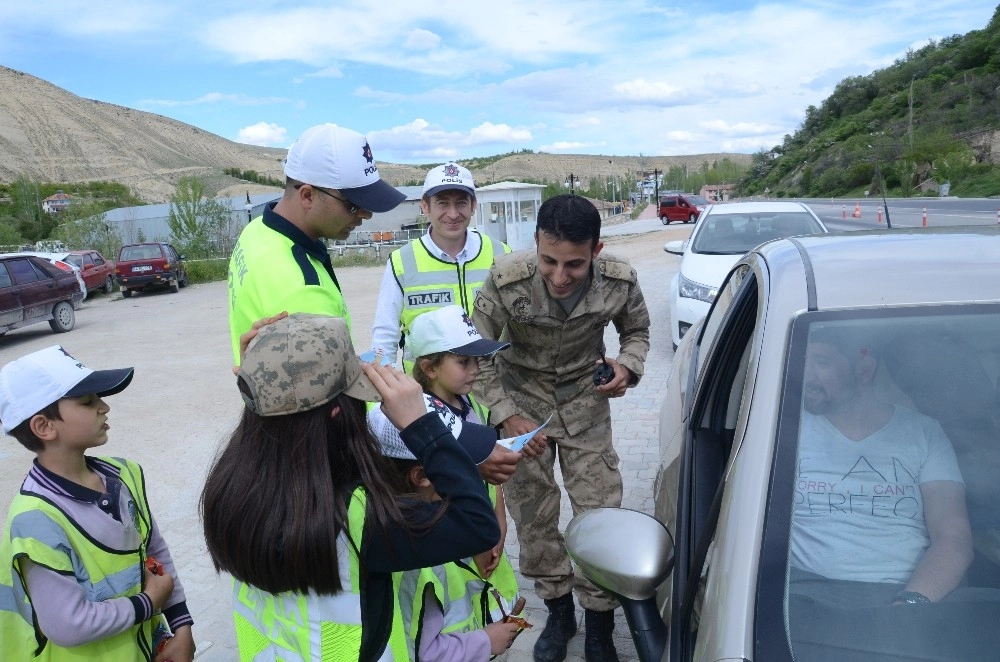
x,y
664,220
63,318
109,284
126,293
691,218
175,286
183,282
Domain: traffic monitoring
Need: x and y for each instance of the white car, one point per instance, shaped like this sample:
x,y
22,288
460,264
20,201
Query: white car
x,y
725,233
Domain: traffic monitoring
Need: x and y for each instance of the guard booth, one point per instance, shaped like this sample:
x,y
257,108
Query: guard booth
x,y
507,211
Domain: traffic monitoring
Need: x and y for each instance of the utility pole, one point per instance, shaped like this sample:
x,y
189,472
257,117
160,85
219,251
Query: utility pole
x,y
656,186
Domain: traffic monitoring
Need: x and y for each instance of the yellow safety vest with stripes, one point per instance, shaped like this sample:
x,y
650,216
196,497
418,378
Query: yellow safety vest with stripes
x,y
40,531
467,600
429,282
299,627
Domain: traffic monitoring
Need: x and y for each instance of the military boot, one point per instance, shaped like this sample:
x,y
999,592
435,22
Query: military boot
x,y
598,645
560,627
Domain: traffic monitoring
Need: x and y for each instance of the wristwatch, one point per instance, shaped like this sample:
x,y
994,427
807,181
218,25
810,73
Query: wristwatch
x,y
912,598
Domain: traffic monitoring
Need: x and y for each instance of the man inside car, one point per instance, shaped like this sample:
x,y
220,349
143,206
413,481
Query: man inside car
x,y
879,499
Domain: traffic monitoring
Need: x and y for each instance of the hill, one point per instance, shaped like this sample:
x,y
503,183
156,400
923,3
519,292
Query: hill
x,y
48,134
929,118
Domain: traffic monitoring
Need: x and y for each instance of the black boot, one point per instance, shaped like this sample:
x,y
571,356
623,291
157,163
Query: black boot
x,y
598,645
560,627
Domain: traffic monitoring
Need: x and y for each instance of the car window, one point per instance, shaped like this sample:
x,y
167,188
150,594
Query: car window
x,y
132,253
735,234
669,202
75,260
98,260
697,200
885,505
5,280
24,271
87,260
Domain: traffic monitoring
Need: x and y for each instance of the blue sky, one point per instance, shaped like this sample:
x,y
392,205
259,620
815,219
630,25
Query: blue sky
x,y
428,82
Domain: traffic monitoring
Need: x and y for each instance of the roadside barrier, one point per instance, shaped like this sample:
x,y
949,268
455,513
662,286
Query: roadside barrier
x,y
844,211
880,213
925,217
857,210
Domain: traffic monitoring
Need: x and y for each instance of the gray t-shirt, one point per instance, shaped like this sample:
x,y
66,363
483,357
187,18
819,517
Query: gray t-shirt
x,y
859,513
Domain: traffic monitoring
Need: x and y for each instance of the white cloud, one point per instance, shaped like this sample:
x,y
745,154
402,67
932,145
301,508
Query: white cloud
x,y
583,121
738,128
422,40
420,138
327,72
563,146
263,133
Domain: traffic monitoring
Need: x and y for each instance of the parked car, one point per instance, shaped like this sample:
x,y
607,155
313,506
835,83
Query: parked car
x,y
98,273
57,259
34,290
150,265
681,207
724,234
804,332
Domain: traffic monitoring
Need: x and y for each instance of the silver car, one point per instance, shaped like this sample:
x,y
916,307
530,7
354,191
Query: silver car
x,y
829,482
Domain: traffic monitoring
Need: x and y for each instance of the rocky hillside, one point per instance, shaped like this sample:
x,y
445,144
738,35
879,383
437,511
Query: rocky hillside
x,y
49,134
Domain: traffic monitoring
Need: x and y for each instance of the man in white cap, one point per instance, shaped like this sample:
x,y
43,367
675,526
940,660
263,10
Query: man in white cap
x,y
445,266
280,262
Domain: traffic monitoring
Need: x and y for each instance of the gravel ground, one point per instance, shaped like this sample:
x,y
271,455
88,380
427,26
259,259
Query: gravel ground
x,y
182,403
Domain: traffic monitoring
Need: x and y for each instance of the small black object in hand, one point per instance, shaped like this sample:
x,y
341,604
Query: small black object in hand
x,y
604,374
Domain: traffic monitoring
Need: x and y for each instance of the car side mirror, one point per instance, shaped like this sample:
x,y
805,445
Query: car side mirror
x,y
625,552
181,257
674,247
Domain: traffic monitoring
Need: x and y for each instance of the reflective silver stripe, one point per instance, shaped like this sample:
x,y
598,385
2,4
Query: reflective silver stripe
x,y
408,259
37,526
267,601
456,612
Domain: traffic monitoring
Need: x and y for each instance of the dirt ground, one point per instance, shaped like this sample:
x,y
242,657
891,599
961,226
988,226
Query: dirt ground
x,y
183,402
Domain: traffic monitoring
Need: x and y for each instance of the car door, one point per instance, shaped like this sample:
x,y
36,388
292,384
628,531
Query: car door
x,y
10,306
37,289
91,275
721,378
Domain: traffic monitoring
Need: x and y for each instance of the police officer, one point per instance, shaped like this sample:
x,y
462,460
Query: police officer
x,y
446,266
553,305
279,263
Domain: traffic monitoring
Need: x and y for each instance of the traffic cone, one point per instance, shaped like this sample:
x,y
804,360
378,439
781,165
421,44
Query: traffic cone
x,y
925,217
880,213
843,211
857,210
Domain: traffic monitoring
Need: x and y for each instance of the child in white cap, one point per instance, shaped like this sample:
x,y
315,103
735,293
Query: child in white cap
x,y
440,605
84,571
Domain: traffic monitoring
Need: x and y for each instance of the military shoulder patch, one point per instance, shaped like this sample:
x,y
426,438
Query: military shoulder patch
x,y
506,272
619,270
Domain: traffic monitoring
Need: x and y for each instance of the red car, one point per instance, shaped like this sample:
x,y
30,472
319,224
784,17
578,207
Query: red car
x,y
34,290
98,273
149,265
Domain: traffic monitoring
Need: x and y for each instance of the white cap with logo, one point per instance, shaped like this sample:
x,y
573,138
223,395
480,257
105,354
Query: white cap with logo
x,y
33,382
449,176
449,329
331,156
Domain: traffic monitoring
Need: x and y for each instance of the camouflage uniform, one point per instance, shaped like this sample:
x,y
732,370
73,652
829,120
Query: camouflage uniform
x,y
549,370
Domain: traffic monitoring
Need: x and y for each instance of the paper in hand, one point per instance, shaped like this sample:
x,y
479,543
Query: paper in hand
x,y
520,441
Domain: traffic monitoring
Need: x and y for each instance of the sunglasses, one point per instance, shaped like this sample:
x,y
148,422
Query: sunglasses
x,y
351,207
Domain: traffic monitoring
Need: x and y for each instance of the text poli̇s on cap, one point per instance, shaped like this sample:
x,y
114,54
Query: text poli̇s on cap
x,y
334,157
477,440
449,176
449,329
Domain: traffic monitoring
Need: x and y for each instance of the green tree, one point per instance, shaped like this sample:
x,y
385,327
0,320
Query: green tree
x,y
85,226
200,226
9,236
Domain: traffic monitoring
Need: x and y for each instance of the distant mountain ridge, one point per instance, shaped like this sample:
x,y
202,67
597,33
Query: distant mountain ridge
x,y
52,135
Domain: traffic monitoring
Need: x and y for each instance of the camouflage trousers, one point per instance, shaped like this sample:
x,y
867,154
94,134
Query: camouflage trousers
x,y
589,466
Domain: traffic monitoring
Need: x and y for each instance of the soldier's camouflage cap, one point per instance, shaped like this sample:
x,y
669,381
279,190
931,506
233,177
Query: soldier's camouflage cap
x,y
299,363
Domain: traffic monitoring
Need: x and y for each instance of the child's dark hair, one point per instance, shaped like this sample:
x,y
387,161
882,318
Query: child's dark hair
x,y
432,361
570,218
23,432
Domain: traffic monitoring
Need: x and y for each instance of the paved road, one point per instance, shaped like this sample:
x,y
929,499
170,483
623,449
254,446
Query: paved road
x,y
183,403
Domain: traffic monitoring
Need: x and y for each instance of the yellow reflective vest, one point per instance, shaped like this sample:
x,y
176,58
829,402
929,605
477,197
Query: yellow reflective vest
x,y
40,531
299,627
429,282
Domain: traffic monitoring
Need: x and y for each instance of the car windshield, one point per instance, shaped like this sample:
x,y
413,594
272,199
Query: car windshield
x,y
736,234
886,479
75,260
696,200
